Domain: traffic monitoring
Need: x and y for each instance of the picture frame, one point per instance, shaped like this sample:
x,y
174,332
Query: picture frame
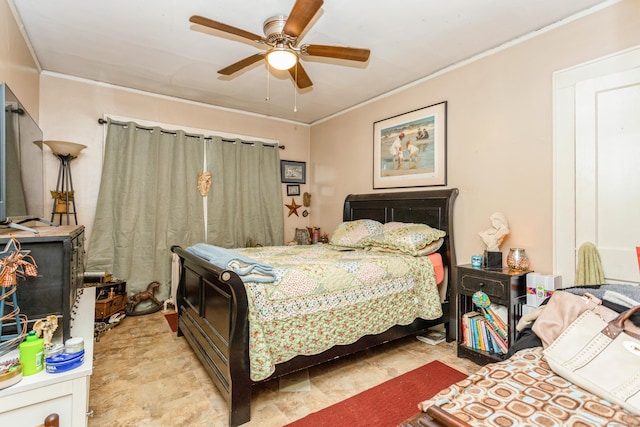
x,y
410,149
293,189
293,172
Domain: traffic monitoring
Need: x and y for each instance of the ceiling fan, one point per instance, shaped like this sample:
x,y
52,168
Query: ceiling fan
x,y
282,39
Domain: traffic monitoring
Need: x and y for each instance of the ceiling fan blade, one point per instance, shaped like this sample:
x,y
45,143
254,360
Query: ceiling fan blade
x,y
227,71
339,52
201,20
300,16
302,78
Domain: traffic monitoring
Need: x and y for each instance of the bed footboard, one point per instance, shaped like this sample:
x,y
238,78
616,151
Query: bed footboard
x,y
212,316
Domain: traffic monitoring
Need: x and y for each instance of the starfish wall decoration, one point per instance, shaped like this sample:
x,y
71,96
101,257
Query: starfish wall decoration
x,y
293,207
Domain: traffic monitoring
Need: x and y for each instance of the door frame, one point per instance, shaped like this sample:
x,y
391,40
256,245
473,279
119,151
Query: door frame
x,y
564,153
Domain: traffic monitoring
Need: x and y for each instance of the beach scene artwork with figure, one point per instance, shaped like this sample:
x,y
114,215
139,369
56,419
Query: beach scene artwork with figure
x,y
408,148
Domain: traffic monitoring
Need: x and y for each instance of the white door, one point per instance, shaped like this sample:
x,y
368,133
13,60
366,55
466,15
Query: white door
x,y
597,165
608,171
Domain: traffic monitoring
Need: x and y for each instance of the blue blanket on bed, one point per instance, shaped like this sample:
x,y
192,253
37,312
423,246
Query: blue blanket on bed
x,y
248,269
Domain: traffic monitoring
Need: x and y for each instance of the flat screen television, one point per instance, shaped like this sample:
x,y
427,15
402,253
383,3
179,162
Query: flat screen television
x,y
21,165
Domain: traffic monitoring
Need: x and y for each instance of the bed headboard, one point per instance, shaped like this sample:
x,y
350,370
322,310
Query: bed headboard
x,y
431,207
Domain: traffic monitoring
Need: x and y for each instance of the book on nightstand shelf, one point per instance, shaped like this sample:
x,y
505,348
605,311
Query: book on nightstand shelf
x,y
432,337
468,327
480,333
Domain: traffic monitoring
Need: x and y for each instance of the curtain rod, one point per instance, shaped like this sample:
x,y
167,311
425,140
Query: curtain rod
x,y
103,122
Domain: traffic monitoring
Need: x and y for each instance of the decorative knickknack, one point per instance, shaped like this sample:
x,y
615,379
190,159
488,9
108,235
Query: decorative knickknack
x,y
493,238
302,236
517,260
14,263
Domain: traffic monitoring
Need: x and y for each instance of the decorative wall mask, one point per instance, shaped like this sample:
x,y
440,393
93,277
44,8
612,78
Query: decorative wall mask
x,y
204,182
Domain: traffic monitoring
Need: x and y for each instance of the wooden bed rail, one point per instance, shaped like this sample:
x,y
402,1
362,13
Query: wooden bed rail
x,y
212,316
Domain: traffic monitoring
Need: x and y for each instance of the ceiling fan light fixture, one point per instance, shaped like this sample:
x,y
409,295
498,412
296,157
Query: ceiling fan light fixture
x,y
281,58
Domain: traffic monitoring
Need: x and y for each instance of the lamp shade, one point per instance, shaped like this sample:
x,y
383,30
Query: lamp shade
x,y
281,58
64,148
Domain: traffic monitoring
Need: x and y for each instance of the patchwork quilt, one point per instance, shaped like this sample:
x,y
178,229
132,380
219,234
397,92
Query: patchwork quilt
x,y
325,295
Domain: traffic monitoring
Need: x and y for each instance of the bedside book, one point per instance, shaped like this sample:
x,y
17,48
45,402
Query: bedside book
x,y
432,337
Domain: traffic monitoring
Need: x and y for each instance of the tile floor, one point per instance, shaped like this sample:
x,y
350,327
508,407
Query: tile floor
x,y
144,375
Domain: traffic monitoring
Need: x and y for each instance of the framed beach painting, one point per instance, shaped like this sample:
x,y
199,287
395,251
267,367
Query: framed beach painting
x,y
410,149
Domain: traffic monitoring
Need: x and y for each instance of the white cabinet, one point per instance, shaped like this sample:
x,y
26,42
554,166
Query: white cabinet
x,y
30,401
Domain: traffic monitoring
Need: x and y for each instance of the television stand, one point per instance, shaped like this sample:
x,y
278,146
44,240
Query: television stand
x,y
18,224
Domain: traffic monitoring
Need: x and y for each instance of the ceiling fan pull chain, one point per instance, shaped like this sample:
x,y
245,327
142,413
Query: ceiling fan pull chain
x,y
295,92
268,98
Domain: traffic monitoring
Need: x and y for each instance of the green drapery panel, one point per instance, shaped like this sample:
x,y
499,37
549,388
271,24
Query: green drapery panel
x,y
148,201
245,201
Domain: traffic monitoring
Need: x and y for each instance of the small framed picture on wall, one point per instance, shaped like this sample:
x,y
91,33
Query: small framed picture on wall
x,y
293,190
293,172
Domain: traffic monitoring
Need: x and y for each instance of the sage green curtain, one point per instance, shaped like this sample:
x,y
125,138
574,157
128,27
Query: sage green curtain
x,y
148,201
245,201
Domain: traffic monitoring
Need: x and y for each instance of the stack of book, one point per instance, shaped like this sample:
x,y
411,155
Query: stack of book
x,y
484,330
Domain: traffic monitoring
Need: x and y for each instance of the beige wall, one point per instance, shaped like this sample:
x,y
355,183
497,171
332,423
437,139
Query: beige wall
x,y
70,112
17,67
67,109
499,134
499,129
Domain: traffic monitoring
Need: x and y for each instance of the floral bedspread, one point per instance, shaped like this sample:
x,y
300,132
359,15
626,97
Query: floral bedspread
x,y
324,296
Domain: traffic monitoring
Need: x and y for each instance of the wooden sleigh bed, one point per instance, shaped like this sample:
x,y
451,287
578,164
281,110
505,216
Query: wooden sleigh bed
x,y
213,305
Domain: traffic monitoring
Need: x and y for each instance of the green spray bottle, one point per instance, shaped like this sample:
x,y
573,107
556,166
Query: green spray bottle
x,y
32,354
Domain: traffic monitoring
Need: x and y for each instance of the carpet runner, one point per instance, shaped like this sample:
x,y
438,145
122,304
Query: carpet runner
x,y
386,404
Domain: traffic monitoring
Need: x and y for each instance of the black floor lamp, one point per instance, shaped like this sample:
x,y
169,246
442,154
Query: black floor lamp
x,y
64,203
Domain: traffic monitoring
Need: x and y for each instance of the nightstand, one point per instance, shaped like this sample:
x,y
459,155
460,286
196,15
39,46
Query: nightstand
x,y
503,287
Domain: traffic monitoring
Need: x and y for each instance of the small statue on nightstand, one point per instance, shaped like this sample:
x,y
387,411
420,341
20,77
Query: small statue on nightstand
x,y
493,237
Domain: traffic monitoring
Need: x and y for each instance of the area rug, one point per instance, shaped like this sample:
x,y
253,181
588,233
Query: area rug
x,y
172,319
386,404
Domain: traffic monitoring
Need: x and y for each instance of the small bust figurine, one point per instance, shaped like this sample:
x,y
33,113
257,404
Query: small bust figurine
x,y
494,236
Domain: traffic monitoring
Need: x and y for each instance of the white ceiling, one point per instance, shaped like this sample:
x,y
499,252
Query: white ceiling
x,y
150,45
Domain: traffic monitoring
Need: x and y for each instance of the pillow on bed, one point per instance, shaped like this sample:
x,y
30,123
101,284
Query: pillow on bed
x,y
412,239
431,247
427,250
351,233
